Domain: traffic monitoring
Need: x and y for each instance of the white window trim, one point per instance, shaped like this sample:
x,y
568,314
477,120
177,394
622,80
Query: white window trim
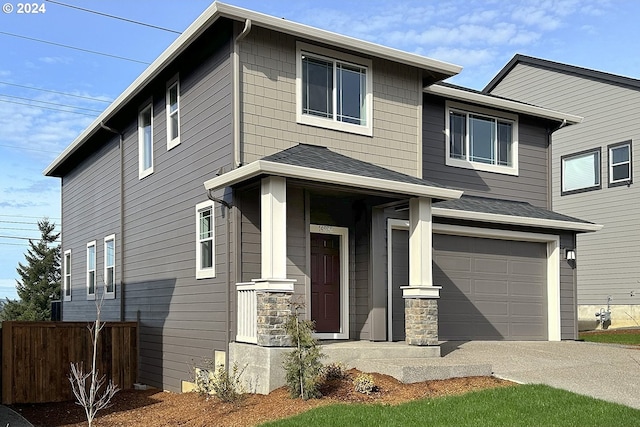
x,y
95,272
343,232
112,294
66,271
612,182
332,55
467,164
174,81
205,273
142,173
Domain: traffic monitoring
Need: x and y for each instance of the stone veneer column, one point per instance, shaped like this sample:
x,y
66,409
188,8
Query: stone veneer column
x,y
421,296
273,310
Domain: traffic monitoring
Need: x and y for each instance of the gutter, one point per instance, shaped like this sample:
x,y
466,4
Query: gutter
x,y
237,161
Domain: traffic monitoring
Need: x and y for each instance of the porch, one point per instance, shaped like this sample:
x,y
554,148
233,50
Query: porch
x,y
406,363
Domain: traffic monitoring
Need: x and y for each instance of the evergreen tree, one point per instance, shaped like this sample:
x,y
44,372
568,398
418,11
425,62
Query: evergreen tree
x,y
39,282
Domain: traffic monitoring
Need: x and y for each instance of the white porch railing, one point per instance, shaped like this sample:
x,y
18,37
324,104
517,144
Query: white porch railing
x,y
247,313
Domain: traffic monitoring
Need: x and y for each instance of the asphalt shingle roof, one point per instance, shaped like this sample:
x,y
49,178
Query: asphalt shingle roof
x,y
321,158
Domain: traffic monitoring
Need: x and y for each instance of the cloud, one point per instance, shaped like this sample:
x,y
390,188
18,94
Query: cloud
x,y
39,186
19,205
464,57
55,60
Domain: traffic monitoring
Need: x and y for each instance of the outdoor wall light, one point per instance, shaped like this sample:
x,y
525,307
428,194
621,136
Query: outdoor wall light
x,y
570,254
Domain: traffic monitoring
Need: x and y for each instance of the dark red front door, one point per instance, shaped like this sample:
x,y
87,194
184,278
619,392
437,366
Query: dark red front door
x,y
325,282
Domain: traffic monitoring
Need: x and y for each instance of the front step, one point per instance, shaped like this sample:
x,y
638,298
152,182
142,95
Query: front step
x,y
349,351
416,370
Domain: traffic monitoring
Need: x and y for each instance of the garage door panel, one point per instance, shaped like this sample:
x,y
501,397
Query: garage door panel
x,y
504,297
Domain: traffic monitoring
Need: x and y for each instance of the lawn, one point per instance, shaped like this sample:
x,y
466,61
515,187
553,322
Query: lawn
x,y
526,405
613,336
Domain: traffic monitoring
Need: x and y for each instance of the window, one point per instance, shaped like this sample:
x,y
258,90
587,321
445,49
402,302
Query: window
x,y
110,266
205,249
91,270
481,139
173,113
620,164
581,172
66,272
334,90
145,141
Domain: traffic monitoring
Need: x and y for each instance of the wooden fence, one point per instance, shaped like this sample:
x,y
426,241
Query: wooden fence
x,y
36,358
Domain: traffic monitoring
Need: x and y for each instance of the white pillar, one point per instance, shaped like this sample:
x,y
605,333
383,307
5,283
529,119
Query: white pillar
x,y
273,232
420,251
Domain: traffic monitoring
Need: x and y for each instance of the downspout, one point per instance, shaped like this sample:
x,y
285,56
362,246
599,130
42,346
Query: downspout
x,y
237,161
550,164
121,237
227,329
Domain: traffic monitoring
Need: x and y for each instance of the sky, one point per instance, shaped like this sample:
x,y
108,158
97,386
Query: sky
x,y
50,92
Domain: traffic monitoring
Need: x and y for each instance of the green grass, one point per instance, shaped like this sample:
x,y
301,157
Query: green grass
x,y
525,405
630,337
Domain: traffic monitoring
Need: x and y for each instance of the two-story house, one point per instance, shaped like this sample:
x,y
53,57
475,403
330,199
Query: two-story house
x,y
259,164
592,173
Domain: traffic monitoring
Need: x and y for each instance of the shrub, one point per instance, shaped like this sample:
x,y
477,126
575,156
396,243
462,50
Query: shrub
x,y
364,384
225,385
302,365
334,371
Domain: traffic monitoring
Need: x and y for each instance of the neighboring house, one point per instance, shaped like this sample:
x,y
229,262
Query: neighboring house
x,y
260,163
592,174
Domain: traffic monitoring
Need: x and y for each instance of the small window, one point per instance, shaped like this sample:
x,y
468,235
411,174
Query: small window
x,y
173,113
620,164
205,242
581,172
66,272
334,90
91,270
481,139
145,141
110,266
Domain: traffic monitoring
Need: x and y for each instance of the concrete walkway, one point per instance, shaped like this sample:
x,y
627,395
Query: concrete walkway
x,y
603,371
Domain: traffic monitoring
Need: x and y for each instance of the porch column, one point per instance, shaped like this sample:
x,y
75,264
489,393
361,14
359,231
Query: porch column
x,y
421,296
273,289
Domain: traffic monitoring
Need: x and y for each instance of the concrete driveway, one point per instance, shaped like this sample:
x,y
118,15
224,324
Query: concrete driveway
x,y
603,371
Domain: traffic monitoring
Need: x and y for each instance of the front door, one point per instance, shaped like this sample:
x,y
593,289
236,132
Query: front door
x,y
325,282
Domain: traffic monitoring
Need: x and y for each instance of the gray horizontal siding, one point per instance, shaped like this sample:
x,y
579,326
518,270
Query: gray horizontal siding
x,y
531,185
607,260
568,294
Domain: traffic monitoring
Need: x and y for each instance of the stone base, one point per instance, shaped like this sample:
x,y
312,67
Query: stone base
x,y
421,321
263,371
273,309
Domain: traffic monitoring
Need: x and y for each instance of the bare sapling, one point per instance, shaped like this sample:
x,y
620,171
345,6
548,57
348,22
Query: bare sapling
x,y
86,386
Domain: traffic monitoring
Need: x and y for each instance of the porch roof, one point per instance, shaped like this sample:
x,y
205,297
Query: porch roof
x,y
501,211
319,164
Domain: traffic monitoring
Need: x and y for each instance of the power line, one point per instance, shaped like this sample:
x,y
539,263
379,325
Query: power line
x,y
30,149
18,222
56,92
114,17
13,244
50,103
26,216
48,108
73,47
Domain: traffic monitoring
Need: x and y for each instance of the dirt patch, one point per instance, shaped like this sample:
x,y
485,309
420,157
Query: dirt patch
x,y
159,408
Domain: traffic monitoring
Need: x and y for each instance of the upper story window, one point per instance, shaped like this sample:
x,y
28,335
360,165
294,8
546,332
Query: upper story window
x,y
581,172
205,245
91,270
173,113
145,141
620,164
110,266
334,90
66,272
481,139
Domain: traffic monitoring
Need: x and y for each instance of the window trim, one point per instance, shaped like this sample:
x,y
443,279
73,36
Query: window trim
x,y
332,55
489,113
110,294
142,173
596,150
174,81
205,273
66,273
610,164
92,296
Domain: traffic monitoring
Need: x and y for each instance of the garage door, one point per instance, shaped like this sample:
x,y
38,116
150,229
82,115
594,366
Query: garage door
x,y
491,289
